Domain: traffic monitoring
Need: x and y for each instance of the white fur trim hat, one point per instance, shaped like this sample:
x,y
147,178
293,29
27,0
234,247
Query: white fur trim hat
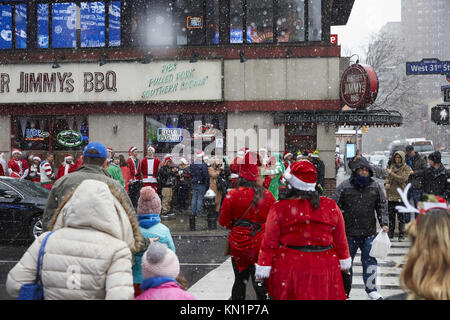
x,y
301,175
16,151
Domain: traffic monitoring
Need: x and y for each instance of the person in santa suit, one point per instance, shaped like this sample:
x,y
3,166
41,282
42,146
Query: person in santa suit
x,y
304,249
287,159
149,167
34,170
264,156
244,212
234,167
3,165
66,167
18,167
46,172
135,182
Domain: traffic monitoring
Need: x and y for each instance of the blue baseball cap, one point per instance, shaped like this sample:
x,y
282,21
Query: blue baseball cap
x,y
101,149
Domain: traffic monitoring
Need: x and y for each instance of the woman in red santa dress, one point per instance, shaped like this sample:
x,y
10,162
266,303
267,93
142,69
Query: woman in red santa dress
x,y
66,167
244,211
149,167
18,167
305,247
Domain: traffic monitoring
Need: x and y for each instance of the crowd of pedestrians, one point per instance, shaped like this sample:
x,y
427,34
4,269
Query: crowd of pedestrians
x,y
285,235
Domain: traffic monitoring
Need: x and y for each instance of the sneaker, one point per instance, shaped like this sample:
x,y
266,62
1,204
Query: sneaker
x,y
374,296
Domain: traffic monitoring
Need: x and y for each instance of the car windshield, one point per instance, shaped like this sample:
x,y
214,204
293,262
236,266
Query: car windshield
x,y
445,160
30,188
423,147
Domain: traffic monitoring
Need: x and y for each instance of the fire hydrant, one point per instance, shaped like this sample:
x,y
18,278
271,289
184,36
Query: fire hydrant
x,y
209,204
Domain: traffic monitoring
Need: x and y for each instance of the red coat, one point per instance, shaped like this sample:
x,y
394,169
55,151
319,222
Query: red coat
x,y
17,168
244,247
149,170
299,275
135,170
62,170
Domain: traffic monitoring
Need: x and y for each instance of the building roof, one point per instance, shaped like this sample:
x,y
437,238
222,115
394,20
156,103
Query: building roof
x,y
340,12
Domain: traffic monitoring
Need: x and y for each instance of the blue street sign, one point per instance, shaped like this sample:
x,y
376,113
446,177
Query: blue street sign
x,y
428,66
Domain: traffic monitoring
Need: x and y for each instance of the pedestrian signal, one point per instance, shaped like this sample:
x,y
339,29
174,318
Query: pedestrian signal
x,y
440,114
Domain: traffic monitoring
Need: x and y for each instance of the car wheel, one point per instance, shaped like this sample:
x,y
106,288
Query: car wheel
x,y
36,227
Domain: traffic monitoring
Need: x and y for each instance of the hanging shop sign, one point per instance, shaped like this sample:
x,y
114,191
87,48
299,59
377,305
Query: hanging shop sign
x,y
359,86
122,81
170,135
194,22
349,118
69,138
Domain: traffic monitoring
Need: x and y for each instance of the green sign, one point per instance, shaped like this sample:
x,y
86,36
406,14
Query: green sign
x,y
69,138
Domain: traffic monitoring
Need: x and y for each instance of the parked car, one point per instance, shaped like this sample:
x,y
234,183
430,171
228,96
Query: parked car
x,y
22,204
445,160
379,163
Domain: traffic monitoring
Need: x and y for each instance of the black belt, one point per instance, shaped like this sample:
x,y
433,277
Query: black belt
x,y
256,227
311,248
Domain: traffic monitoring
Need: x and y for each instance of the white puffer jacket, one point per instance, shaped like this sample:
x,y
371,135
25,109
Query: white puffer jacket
x,y
89,254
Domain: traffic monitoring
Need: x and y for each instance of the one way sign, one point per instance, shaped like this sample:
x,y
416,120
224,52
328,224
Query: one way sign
x,y
440,114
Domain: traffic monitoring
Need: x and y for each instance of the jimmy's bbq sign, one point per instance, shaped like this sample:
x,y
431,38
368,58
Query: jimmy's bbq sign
x,y
359,86
85,82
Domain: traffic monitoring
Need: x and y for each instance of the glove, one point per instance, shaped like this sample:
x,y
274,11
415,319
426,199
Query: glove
x,y
262,272
346,264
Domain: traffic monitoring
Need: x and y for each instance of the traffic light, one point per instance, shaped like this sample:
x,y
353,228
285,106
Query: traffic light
x,y
440,114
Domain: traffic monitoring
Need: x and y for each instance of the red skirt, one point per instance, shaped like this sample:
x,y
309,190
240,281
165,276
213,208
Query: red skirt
x,y
297,275
244,248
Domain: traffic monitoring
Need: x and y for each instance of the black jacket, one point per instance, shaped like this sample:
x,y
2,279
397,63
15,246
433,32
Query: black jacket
x,y
436,182
165,177
199,174
320,168
358,207
419,166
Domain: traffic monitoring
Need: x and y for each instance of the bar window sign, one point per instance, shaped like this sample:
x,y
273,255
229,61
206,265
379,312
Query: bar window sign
x,y
194,22
170,135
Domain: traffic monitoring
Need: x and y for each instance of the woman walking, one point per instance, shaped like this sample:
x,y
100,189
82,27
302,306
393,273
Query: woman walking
x,y
304,247
244,212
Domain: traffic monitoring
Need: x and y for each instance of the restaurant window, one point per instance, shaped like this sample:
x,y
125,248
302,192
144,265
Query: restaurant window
x,y
315,20
291,21
13,24
164,132
259,18
236,21
50,133
78,24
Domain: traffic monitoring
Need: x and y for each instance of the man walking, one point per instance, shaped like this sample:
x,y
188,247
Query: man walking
x,y
166,177
358,198
418,166
200,183
436,178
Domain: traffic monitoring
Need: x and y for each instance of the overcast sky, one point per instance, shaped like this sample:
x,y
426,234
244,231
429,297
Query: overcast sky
x,y
367,17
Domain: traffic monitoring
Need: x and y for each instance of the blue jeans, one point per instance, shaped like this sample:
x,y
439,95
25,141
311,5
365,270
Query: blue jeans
x,y
198,192
416,196
369,264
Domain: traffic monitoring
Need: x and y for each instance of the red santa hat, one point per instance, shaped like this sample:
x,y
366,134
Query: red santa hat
x,y
67,157
151,148
249,167
37,158
167,158
130,151
16,151
287,154
109,149
199,154
301,175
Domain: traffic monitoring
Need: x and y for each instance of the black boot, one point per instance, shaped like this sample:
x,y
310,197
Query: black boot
x,y
192,223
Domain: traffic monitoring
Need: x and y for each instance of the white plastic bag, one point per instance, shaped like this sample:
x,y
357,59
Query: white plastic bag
x,y
380,246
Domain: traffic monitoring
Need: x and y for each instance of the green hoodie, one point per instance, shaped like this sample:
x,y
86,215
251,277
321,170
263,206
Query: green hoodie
x,y
278,170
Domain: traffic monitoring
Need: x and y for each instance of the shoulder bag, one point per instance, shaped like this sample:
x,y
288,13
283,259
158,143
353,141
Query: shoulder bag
x,y
35,291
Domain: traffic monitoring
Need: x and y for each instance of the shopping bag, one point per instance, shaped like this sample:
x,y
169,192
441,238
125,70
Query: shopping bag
x,y
380,246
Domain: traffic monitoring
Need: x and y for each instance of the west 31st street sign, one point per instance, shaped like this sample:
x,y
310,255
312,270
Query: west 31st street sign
x,y
428,66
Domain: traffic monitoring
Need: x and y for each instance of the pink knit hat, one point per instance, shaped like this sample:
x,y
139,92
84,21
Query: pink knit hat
x,y
160,261
149,201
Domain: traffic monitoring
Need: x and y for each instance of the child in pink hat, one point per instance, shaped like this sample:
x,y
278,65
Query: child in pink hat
x,y
160,269
148,210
